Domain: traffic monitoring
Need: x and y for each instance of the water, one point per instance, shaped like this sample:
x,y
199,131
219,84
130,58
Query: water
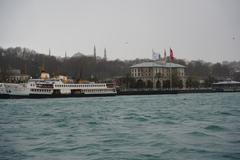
x,y
174,127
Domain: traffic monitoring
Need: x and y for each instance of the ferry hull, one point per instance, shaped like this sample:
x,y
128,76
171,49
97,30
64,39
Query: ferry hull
x,y
4,96
36,96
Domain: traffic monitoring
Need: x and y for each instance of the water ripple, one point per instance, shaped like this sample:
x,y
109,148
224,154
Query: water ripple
x,y
174,127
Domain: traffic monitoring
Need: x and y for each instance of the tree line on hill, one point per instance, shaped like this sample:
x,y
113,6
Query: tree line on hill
x,y
89,68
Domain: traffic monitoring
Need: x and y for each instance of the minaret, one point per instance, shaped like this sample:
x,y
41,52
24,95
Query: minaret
x,y
94,52
65,54
105,54
49,52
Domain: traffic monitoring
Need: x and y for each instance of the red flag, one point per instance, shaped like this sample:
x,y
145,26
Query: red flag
x,y
171,55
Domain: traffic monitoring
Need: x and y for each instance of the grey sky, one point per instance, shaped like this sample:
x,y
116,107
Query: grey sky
x,y
129,29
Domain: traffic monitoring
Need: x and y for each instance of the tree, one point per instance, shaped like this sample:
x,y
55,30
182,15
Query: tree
x,y
149,84
176,81
192,82
209,81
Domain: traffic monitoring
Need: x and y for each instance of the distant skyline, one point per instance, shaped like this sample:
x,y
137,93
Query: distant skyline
x,y
195,29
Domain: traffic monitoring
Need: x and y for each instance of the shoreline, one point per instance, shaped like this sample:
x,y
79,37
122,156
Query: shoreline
x,y
128,92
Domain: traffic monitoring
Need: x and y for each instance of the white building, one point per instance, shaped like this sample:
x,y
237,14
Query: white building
x,y
157,73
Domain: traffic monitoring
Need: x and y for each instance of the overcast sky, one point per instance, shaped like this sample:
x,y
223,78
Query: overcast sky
x,y
129,29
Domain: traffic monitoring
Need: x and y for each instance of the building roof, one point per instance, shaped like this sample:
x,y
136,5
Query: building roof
x,y
227,82
157,65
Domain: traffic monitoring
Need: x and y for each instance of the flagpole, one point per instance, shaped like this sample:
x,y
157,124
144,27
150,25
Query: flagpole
x,y
170,76
171,59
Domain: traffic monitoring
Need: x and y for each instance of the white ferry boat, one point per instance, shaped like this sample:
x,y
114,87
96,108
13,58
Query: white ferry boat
x,y
39,88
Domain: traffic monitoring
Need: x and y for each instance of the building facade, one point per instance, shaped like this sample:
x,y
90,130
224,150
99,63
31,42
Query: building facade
x,y
157,74
15,76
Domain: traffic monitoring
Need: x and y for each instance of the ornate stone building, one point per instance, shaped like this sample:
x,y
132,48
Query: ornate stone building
x,y
157,73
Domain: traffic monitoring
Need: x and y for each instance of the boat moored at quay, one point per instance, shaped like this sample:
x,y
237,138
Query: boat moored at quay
x,y
54,88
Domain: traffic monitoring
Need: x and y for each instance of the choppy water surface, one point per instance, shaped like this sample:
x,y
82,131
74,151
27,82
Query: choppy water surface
x,y
183,126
